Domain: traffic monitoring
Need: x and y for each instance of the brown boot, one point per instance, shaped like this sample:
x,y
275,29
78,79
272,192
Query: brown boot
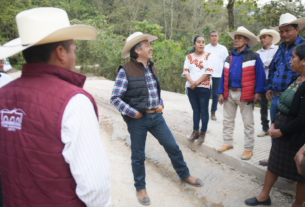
x,y
201,138
246,155
224,148
194,136
213,117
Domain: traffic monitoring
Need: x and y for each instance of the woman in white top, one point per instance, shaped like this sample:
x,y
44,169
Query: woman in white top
x,y
198,71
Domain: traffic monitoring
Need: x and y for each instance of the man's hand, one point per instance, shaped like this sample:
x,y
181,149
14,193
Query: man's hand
x,y
269,95
257,98
299,157
160,107
221,99
138,115
275,133
271,129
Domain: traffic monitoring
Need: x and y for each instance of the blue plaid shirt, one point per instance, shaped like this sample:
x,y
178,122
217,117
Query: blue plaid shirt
x,y
120,88
280,73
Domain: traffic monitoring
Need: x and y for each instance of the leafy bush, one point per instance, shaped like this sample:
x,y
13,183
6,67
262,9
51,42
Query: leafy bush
x,y
169,59
105,50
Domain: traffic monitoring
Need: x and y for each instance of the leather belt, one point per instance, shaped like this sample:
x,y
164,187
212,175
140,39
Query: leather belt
x,y
234,89
277,93
152,111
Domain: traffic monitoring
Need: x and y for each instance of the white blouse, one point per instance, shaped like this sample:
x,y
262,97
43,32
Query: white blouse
x,y
198,66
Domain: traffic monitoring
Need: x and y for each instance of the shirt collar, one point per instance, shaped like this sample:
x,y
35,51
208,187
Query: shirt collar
x,y
148,62
47,70
212,45
237,54
271,47
296,42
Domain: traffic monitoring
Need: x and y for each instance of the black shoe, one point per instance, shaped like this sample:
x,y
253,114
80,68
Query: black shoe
x,y
255,202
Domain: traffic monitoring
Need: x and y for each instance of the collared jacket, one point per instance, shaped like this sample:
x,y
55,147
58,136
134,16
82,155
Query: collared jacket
x,y
293,131
137,93
280,73
243,70
33,170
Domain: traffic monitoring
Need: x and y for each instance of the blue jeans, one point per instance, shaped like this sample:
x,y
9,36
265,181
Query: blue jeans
x,y
273,107
215,87
199,99
156,125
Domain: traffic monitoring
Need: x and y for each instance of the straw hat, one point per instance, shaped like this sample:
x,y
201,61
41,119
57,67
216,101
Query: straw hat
x,y
273,33
244,32
44,25
287,18
134,39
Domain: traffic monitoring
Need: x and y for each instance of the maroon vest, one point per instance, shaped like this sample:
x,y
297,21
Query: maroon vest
x,y
33,170
247,77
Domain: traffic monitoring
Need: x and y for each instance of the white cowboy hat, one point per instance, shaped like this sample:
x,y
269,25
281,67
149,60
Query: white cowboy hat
x,y
134,39
273,33
44,25
244,32
287,18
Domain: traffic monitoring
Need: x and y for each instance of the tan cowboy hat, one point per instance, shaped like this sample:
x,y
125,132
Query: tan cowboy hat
x,y
244,32
287,18
44,25
134,39
273,33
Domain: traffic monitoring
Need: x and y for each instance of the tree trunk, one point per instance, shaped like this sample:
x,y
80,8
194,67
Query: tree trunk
x,y
172,18
230,8
194,19
165,26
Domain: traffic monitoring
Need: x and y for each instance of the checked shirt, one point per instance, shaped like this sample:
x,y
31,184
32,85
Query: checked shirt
x,y
120,88
280,73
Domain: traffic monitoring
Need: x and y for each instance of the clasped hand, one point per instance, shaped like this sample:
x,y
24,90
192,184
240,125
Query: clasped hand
x,y
274,133
193,84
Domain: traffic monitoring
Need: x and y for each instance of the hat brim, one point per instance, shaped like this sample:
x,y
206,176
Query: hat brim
x,y
127,47
252,38
275,35
75,32
300,22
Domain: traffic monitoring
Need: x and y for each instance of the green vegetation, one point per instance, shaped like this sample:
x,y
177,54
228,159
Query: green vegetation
x,y
175,22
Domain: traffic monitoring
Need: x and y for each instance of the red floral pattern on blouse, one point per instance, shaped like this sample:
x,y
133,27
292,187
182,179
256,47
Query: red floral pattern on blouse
x,y
199,64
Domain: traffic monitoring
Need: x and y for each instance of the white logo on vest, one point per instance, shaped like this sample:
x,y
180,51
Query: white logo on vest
x,y
12,120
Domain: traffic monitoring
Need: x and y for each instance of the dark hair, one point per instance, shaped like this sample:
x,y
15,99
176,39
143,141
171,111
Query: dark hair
x,y
294,26
42,53
300,51
194,41
212,32
133,53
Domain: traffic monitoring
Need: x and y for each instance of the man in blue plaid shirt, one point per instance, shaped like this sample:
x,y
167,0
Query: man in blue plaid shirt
x,y
280,73
137,95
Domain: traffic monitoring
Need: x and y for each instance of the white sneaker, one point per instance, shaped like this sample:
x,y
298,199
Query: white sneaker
x,y
262,134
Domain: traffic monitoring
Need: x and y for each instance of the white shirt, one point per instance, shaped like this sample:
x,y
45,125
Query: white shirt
x,y
84,152
197,67
220,54
6,65
267,56
4,79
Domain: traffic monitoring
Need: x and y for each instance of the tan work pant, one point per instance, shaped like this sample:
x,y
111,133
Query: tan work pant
x,y
229,115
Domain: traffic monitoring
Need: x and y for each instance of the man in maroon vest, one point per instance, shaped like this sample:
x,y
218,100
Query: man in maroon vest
x,y
242,81
51,151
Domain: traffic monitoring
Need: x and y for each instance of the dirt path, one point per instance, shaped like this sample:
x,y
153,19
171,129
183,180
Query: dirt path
x,y
223,186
